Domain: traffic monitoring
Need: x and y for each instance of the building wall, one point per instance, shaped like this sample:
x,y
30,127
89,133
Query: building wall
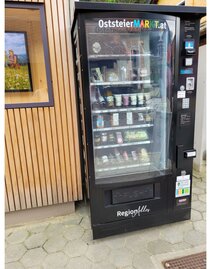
x,y
42,158
200,119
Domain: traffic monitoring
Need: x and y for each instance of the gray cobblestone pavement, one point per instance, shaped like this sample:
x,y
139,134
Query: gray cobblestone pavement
x,y
66,242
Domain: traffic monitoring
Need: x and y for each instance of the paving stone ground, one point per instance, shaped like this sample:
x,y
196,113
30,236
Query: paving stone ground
x,y
66,242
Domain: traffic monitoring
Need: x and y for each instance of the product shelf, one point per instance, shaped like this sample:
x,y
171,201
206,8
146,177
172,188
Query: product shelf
x,y
112,110
124,144
120,83
117,56
123,167
114,128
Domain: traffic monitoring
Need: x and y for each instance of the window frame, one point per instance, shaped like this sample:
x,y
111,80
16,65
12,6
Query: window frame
x,y
41,8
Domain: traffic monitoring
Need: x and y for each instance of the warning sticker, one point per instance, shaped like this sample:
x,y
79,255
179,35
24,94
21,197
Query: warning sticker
x,y
182,186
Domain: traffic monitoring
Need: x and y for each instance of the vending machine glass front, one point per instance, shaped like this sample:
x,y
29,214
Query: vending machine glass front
x,y
131,73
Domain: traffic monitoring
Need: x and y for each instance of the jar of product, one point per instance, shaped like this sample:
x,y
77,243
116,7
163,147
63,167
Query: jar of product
x,y
134,155
118,100
97,140
140,99
133,99
104,138
125,99
111,138
105,159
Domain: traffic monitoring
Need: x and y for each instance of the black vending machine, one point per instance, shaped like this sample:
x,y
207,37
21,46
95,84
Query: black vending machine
x,y
136,74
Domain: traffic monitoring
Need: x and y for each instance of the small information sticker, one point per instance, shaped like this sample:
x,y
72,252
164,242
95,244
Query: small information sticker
x,y
181,94
182,186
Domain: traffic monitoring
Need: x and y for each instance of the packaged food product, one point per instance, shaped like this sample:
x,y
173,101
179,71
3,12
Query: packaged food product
x,y
140,117
148,117
134,155
104,138
109,99
105,159
111,138
125,100
119,138
133,98
115,119
117,155
131,136
129,118
125,156
118,100
147,95
144,156
140,99
100,121
97,140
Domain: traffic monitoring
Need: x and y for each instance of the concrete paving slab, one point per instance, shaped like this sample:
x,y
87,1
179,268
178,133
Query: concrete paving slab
x,y
55,261
55,244
76,248
33,257
121,257
18,236
97,252
15,252
35,240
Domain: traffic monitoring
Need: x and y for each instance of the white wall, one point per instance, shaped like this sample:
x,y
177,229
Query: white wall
x,y
200,119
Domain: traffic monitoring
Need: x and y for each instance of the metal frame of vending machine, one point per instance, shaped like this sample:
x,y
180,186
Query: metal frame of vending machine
x,y
137,124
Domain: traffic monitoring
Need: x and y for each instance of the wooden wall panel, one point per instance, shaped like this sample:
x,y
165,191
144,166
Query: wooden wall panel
x,y
42,159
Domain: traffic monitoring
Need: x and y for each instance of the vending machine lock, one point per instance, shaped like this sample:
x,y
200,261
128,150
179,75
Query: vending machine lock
x,y
190,153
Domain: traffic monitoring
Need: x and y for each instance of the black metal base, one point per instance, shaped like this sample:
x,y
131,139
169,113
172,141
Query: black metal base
x,y
124,226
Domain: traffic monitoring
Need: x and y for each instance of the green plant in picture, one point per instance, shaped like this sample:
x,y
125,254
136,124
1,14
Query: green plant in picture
x,y
17,79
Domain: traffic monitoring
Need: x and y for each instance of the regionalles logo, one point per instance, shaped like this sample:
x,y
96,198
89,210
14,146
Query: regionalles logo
x,y
136,23
133,212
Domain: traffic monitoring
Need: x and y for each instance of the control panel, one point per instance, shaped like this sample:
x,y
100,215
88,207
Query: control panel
x,y
185,104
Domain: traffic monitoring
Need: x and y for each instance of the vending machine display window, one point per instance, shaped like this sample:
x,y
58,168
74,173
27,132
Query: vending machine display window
x,y
131,74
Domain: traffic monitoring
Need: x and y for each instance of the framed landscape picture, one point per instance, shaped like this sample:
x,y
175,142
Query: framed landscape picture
x,y
17,65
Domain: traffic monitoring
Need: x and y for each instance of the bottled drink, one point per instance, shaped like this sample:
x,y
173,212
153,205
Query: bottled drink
x,y
125,156
109,99
100,98
100,121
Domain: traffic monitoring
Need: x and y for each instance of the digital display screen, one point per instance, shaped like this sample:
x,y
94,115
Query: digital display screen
x,y
188,71
189,44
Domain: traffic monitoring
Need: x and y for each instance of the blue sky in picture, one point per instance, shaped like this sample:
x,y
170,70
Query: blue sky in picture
x,y
16,42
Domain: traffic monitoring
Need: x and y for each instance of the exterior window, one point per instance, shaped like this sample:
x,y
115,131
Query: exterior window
x,y
27,66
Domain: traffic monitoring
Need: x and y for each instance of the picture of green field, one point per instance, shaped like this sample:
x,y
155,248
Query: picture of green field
x,y
17,78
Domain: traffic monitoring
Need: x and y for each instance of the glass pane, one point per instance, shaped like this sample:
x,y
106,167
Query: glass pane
x,y
25,70
130,72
